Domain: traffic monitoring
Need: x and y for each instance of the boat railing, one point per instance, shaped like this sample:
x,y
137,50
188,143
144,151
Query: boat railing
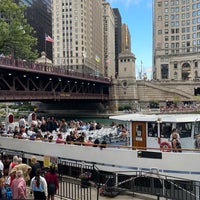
x,y
121,146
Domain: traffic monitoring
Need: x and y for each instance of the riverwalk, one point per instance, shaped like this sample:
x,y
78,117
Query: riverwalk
x,y
126,196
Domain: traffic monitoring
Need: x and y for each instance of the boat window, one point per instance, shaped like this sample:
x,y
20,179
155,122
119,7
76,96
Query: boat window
x,y
152,129
165,129
196,128
184,129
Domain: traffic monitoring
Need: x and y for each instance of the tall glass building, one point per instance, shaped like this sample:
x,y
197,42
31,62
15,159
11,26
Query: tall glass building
x,y
39,16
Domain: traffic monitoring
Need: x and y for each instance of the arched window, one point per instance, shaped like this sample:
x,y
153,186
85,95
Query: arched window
x,y
186,69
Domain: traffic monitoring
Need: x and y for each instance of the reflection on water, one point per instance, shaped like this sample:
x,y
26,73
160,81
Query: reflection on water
x,y
104,121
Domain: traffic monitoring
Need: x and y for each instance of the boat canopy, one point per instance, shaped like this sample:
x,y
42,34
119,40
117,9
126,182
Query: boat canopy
x,y
157,117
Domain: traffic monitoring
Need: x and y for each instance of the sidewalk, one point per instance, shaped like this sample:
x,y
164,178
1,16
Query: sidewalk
x,y
130,196
126,196
119,197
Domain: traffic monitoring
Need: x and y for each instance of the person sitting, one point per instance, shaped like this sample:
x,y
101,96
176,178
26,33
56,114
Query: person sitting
x,y
176,145
59,139
81,139
103,144
197,142
45,138
50,138
10,131
68,139
174,131
16,132
89,142
96,142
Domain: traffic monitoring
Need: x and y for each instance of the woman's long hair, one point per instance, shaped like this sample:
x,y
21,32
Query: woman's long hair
x,y
37,177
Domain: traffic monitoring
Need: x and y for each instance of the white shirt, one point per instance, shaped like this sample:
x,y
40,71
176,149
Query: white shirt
x,y
1,166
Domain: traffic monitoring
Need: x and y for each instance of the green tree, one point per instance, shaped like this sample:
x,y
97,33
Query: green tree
x,y
16,34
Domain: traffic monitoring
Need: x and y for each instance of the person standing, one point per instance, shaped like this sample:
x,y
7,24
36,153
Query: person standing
x,y
1,167
24,167
11,166
52,182
18,186
39,186
34,166
2,188
6,162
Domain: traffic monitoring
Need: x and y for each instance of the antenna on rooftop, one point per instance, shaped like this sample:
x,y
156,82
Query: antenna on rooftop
x,y
141,70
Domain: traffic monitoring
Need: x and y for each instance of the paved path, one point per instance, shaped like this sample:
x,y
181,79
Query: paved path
x,y
119,197
130,196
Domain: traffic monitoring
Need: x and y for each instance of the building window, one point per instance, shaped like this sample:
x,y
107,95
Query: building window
x,y
159,4
175,65
175,75
196,74
164,71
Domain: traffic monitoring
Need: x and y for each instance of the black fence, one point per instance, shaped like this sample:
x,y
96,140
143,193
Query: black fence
x,y
75,185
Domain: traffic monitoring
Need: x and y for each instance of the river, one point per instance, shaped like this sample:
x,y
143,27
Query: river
x,y
102,120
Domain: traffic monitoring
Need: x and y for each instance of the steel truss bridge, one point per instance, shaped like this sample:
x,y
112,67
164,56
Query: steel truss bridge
x,y
27,81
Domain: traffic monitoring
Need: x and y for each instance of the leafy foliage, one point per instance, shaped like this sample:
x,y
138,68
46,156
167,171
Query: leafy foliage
x,y
23,107
16,34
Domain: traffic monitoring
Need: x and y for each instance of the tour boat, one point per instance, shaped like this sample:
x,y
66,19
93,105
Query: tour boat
x,y
148,147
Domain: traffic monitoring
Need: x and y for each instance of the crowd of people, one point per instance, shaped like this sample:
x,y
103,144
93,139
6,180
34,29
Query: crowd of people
x,y
62,132
18,179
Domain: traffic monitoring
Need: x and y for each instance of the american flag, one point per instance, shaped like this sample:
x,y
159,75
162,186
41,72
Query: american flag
x,y
48,39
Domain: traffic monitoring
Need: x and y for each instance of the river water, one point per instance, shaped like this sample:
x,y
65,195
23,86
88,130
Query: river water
x,y
104,121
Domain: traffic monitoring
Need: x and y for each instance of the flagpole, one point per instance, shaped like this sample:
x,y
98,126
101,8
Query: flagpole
x,y
45,49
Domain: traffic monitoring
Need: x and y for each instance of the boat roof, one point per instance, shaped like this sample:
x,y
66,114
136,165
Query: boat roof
x,y
157,117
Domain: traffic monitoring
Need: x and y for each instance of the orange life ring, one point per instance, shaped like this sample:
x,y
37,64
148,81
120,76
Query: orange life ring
x,y
165,146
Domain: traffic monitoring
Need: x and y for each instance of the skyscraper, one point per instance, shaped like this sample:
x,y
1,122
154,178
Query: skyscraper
x,y
126,38
176,39
118,38
78,35
109,39
39,16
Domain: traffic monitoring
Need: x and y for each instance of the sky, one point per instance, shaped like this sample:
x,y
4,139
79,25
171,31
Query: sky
x,y
137,14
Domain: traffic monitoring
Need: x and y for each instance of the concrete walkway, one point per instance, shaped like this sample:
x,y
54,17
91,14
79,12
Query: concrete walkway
x,y
122,196
130,196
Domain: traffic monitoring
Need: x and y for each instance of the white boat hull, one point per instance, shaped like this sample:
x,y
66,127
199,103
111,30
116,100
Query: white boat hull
x,y
180,165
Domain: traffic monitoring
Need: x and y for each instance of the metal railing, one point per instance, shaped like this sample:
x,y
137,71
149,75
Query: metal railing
x,y
49,69
114,183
